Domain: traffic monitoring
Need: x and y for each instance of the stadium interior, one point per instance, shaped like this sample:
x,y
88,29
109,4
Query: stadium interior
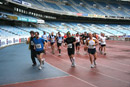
x,y
19,17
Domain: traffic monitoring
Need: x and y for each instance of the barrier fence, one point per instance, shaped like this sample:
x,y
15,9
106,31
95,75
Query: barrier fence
x,y
12,40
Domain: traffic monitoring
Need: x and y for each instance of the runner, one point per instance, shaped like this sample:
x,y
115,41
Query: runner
x,y
77,43
59,43
103,44
85,36
99,39
52,40
91,44
70,42
49,41
31,48
39,44
44,36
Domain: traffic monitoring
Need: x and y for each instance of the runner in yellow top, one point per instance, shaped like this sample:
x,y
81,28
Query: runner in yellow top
x,y
91,44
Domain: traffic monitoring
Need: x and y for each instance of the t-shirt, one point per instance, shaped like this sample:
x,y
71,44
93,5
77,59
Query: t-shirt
x,y
103,40
77,39
31,43
59,39
44,37
39,44
91,44
84,38
52,38
70,41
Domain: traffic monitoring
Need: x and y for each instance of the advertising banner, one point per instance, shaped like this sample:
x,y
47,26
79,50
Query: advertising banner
x,y
26,3
17,1
9,41
40,21
3,42
79,14
15,40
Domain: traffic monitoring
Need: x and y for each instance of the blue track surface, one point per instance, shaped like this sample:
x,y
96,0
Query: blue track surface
x,y
16,66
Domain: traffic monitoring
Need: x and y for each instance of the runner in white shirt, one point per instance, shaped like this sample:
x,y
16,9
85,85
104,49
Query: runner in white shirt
x,y
99,39
52,40
91,44
59,43
45,37
77,43
103,44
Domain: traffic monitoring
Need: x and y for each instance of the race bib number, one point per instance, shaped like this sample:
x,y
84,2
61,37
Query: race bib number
x,y
32,43
52,40
38,46
69,45
59,41
84,41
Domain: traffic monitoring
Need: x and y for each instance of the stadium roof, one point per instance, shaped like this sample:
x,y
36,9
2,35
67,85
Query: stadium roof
x,y
126,0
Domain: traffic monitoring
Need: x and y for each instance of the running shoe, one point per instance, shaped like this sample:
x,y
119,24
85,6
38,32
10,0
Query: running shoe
x,y
34,64
40,67
92,66
59,54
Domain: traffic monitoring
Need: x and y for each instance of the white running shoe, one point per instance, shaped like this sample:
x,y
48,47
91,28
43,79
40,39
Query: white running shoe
x,y
40,67
92,66
59,54
73,65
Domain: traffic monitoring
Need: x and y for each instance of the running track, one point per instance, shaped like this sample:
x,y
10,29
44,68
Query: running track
x,y
112,70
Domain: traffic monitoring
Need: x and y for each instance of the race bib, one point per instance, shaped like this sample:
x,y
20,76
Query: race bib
x,y
60,41
69,45
52,40
84,41
38,46
32,43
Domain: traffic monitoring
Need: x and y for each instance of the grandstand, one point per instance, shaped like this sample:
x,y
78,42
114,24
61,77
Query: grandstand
x,y
19,17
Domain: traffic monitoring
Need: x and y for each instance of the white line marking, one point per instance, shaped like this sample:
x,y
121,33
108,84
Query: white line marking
x,y
94,71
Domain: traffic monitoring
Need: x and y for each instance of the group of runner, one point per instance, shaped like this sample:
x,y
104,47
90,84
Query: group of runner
x,y
38,45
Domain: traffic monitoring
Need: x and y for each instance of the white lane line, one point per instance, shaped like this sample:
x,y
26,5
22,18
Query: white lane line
x,y
109,66
94,71
74,76
38,80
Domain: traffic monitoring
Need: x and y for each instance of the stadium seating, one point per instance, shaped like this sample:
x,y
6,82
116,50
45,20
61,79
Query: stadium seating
x,y
88,7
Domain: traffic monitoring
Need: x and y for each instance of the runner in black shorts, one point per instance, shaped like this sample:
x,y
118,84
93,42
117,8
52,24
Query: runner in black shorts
x,y
39,44
85,36
59,43
70,41
91,44
52,40
77,43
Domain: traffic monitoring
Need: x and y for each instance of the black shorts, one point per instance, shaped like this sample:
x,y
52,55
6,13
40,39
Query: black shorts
x,y
92,51
77,44
71,51
103,45
52,43
39,52
46,41
59,44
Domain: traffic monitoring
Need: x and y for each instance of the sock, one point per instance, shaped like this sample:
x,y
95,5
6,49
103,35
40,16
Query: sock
x,y
59,50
